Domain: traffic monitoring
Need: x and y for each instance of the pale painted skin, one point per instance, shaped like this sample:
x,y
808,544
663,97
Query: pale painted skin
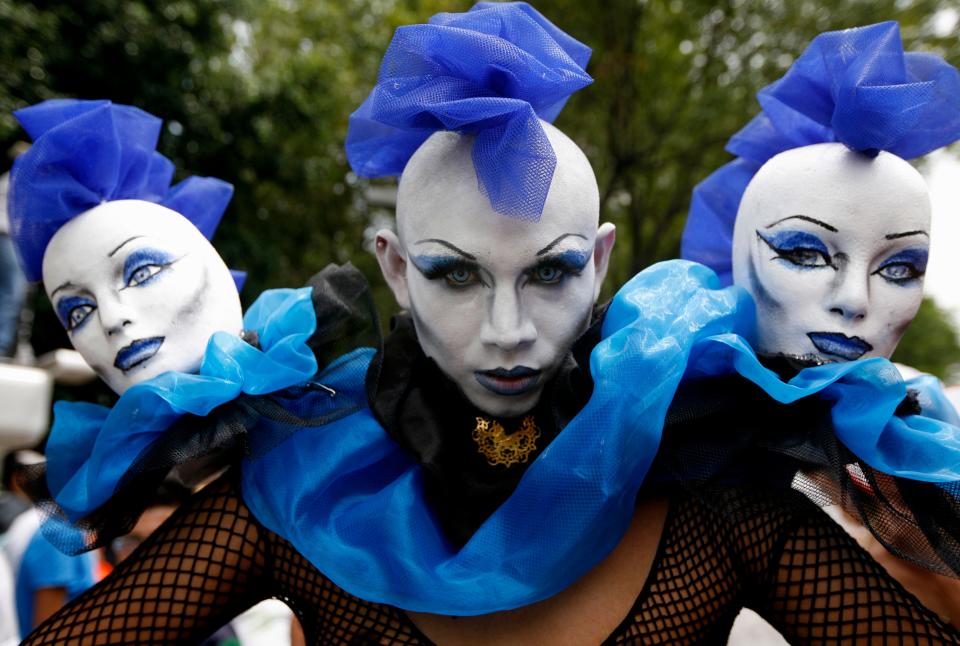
x,y
496,302
139,290
833,246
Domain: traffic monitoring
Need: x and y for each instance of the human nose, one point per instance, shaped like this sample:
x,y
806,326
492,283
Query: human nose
x,y
850,298
507,324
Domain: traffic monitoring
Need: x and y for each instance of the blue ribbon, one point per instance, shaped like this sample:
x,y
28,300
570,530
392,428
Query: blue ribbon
x,y
857,87
88,152
492,72
92,447
351,500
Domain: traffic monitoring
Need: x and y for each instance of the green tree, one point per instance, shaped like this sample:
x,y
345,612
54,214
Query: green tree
x,y
930,343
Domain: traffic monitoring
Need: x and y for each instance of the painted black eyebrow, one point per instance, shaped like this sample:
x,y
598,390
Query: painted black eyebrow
x,y
557,241
894,236
468,256
805,218
63,286
110,255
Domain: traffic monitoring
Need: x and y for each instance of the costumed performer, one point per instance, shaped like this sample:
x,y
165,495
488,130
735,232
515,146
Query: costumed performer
x,y
485,489
827,227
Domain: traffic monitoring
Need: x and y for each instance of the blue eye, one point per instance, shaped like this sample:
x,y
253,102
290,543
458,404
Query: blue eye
x,y
461,277
74,311
548,274
798,248
904,267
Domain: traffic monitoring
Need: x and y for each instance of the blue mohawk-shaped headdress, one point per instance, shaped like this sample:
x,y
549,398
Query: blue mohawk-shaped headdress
x,y
492,72
89,152
856,87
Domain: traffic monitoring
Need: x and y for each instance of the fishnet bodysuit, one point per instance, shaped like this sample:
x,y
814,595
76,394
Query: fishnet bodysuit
x,y
773,552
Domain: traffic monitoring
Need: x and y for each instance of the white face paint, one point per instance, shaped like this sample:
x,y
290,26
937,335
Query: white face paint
x,y
495,301
833,245
139,289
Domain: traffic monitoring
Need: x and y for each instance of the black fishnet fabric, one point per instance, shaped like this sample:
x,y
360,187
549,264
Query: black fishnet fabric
x,y
723,550
727,431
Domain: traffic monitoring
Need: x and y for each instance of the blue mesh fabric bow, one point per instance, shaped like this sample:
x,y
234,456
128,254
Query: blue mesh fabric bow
x,y
857,87
89,152
492,72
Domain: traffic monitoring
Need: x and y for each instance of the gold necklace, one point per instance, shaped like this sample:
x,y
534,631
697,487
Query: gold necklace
x,y
499,447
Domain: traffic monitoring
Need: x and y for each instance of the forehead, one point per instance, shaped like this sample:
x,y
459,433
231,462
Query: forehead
x,y
87,241
839,187
440,197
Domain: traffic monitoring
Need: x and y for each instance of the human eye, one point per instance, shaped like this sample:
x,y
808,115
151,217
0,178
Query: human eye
x,y
798,248
74,312
461,277
143,265
555,269
548,274
904,268
455,271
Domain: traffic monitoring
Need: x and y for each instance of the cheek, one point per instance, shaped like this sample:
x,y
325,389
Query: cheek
x,y
561,315
896,305
447,320
793,289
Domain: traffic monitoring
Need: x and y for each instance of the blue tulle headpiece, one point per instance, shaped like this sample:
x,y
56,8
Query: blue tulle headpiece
x,y
492,72
89,152
857,87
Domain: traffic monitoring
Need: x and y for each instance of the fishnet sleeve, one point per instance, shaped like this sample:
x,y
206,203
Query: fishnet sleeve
x,y
816,585
200,569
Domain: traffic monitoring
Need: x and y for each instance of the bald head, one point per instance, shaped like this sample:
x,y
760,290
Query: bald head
x,y
496,301
440,182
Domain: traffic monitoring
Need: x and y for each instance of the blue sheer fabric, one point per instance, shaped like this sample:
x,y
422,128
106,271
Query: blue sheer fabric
x,y
857,87
88,152
350,499
92,447
492,72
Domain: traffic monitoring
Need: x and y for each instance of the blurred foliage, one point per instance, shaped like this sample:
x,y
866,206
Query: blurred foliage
x,y
258,92
930,343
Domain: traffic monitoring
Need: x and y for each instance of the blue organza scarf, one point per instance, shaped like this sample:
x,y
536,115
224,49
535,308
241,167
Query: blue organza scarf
x,y
350,499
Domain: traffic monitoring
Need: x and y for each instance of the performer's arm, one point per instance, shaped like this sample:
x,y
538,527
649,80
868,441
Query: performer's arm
x,y
200,569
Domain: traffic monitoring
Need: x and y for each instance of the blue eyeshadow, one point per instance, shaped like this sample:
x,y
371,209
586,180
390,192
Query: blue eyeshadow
x,y
793,240
436,266
916,257
145,256
66,305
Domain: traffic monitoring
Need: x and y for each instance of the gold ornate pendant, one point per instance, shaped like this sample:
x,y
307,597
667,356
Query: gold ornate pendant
x,y
499,447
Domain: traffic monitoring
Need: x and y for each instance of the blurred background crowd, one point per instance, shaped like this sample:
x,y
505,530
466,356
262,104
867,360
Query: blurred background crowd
x,y
258,93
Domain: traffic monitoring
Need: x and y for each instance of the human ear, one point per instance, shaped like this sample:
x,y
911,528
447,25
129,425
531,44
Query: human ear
x,y
606,236
393,265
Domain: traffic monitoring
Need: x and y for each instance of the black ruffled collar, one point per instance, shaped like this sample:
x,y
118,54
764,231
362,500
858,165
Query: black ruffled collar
x,y
428,415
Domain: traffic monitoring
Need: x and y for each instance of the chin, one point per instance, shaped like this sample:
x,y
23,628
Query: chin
x,y
502,406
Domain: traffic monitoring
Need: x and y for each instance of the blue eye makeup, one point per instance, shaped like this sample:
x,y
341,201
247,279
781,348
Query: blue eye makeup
x,y
904,267
455,270
143,265
74,311
553,269
799,249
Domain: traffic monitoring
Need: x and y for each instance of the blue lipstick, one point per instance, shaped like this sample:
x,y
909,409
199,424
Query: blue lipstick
x,y
516,381
138,352
839,345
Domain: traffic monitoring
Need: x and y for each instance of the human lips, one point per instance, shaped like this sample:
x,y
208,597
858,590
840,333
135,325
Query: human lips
x,y
839,345
512,382
137,352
